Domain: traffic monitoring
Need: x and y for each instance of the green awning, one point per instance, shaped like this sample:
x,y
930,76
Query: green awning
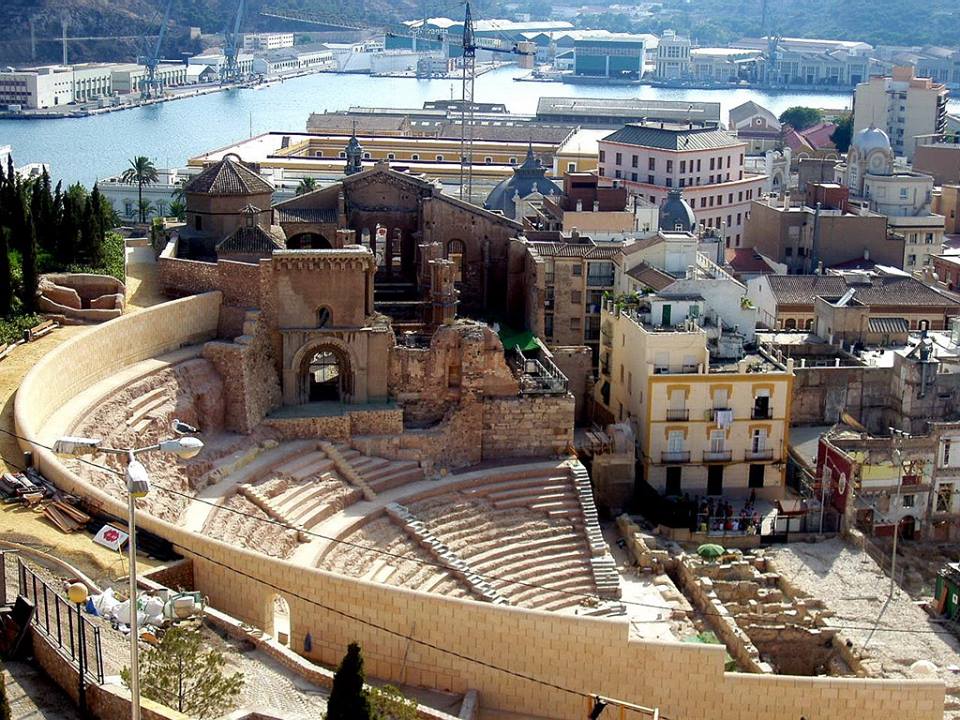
x,y
522,341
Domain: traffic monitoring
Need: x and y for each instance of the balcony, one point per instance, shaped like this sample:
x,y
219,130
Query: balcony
x,y
674,457
717,456
678,414
712,413
766,454
761,413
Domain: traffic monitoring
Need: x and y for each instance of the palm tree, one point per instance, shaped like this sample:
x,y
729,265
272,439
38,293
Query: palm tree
x,y
141,172
178,210
307,184
144,208
179,194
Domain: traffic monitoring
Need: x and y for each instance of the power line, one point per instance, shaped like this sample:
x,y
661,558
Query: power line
x,y
442,566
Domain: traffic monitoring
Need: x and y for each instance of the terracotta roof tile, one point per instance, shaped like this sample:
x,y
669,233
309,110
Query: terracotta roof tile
x,y
228,177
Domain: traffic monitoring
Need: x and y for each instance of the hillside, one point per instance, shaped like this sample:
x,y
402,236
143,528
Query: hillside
x,y
99,18
879,22
709,22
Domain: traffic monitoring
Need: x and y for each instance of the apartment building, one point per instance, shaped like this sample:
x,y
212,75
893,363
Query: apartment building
x,y
702,428
802,237
904,106
652,158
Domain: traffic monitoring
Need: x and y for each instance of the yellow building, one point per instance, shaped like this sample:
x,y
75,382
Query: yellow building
x,y
702,428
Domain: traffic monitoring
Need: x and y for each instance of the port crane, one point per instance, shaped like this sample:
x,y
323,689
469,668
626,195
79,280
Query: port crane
x,y
469,44
151,85
230,70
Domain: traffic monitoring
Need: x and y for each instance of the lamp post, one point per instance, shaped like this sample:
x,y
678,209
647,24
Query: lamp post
x,y
77,593
138,486
898,436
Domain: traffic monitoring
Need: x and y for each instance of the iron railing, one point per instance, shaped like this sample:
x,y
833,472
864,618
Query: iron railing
x,y
539,376
717,455
676,456
678,414
56,618
765,454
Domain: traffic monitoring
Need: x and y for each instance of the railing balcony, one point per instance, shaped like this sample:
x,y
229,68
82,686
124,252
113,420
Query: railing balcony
x,y
678,414
676,456
712,413
766,454
717,455
761,413
539,376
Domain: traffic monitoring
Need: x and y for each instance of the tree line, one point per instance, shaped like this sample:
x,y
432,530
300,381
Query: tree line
x,y
46,229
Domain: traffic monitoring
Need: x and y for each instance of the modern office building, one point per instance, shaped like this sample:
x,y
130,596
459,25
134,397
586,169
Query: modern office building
x,y
37,88
906,107
650,159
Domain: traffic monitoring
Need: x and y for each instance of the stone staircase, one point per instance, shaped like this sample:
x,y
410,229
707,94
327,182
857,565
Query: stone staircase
x,y
379,474
604,567
346,471
302,492
455,565
141,409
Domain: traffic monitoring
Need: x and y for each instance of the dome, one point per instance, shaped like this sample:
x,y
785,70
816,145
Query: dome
x,y
871,138
527,179
676,213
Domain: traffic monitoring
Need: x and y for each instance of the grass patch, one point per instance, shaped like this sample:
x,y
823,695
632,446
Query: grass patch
x,y
11,329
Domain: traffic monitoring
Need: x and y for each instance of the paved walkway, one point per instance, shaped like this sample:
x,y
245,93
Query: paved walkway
x,y
34,696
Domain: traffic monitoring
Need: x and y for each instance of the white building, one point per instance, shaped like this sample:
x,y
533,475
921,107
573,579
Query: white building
x,y
37,88
267,41
673,57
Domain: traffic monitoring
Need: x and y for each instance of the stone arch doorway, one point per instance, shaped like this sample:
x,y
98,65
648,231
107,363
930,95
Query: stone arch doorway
x,y
326,375
278,619
308,241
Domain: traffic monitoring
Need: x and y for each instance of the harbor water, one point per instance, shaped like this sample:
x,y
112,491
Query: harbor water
x,y
85,149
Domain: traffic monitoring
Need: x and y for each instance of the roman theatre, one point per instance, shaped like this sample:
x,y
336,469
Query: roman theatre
x,y
384,456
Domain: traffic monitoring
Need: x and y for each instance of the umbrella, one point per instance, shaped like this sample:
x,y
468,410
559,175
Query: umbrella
x,y
710,551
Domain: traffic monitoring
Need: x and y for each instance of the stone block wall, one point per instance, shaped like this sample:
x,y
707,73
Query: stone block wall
x,y
527,426
576,362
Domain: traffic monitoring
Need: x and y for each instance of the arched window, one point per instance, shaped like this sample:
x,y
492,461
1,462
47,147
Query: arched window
x,y
791,324
455,252
324,317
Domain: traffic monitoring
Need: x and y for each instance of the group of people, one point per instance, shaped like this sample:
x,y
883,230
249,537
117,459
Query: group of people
x,y
709,514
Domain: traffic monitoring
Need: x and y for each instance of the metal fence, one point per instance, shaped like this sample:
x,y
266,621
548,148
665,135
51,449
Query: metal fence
x,y
74,635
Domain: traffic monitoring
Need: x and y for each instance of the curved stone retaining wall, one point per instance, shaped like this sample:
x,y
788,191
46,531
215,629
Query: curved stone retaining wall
x,y
528,662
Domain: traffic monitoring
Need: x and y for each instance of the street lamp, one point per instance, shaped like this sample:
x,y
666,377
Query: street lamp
x,y
77,593
138,486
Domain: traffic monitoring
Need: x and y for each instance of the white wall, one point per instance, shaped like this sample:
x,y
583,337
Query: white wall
x,y
722,297
760,294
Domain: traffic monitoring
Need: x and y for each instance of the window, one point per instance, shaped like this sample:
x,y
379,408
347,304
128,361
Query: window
x,y
414,157
909,501
650,180
944,497
634,161
548,326
718,441
652,164
633,177
577,270
619,158
675,441
683,166
755,479
324,317
669,182
342,155
600,274
740,196
712,161
739,218
439,158
617,174
366,156
669,166
391,156
703,201
728,163
758,440
574,323
576,297
603,156
946,452
488,160
681,182
729,197
911,259
698,168
571,167
513,160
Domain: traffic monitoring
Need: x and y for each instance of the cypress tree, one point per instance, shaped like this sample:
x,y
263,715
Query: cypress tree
x,y
69,230
348,700
88,240
28,259
6,281
99,229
